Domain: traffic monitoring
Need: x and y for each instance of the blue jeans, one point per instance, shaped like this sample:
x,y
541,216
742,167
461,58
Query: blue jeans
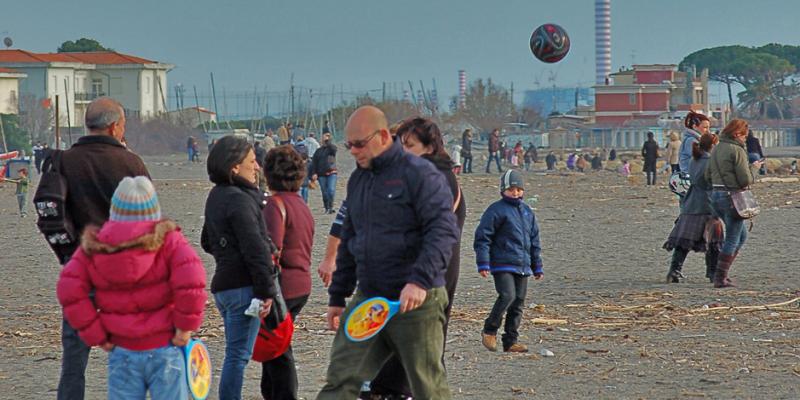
x,y
496,156
327,185
735,231
240,337
74,358
161,371
190,153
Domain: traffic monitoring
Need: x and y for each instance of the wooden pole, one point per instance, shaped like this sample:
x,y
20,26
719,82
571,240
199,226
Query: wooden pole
x,y
69,124
3,134
58,133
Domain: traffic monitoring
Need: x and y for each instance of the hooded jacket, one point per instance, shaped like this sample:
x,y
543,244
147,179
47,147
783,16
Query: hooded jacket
x,y
729,166
685,154
507,239
147,280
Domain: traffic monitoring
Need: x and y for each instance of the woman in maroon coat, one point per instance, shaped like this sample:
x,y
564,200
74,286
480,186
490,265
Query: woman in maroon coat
x,y
291,228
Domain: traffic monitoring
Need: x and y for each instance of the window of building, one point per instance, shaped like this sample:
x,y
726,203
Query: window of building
x,y
97,87
632,98
147,85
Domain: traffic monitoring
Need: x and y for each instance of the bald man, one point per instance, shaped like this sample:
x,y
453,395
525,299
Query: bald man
x,y
396,241
93,168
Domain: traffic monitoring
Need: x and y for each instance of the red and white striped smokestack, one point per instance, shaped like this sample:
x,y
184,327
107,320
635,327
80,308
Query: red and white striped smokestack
x,y
462,89
602,40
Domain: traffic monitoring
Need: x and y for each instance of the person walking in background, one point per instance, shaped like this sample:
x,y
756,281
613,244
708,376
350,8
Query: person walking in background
x,y
696,125
268,143
494,150
312,144
571,158
754,151
530,156
466,150
21,191
673,152
650,156
729,171
234,233
612,155
323,170
284,133
507,246
150,289
550,160
696,228
456,157
190,148
92,168
291,228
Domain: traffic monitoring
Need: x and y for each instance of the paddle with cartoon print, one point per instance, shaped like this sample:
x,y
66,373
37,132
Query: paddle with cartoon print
x,y
369,318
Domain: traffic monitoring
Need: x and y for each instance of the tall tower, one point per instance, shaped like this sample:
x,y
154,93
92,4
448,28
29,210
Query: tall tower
x,y
462,89
602,40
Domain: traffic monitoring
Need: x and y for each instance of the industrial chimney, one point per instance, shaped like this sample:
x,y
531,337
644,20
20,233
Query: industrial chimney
x,y
602,40
462,89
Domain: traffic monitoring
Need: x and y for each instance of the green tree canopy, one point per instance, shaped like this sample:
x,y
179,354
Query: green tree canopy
x,y
764,73
82,45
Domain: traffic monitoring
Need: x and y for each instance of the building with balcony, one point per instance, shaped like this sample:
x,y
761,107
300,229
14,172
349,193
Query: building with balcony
x,y
9,90
140,85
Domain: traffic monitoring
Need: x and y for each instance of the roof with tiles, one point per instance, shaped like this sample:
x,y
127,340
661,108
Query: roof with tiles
x,y
98,57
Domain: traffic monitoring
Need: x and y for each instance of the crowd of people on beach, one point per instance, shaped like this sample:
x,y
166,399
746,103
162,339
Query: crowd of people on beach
x,y
132,284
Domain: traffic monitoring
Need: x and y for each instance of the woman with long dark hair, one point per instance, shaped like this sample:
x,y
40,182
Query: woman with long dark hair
x,y
696,229
421,137
696,125
729,171
235,234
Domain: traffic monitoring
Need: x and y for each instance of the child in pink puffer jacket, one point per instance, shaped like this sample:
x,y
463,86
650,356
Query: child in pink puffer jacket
x,y
149,294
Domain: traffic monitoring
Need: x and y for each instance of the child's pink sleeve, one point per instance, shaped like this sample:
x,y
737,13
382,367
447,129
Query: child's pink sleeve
x,y
72,290
187,281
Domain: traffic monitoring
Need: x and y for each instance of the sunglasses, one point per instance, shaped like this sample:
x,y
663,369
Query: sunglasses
x,y
361,143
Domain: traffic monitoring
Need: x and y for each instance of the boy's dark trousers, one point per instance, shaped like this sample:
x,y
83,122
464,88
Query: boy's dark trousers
x,y
511,289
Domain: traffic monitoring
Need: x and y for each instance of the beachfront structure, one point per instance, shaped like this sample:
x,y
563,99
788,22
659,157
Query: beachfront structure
x,y
648,92
9,90
78,78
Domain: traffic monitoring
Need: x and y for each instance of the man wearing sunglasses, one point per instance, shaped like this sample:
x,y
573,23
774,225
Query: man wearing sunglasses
x,y
396,240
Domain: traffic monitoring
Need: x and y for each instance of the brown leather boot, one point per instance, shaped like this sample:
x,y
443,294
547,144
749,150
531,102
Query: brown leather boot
x,y
721,274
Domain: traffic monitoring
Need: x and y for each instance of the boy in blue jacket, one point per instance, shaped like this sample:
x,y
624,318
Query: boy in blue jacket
x,y
507,246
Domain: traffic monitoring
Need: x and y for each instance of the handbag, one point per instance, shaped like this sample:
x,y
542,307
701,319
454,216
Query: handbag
x,y
276,330
744,202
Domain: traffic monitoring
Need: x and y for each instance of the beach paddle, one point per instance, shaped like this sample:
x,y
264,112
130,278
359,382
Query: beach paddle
x,y
369,317
198,369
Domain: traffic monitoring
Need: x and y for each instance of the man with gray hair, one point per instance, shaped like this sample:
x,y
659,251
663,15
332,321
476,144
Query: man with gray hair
x,y
93,168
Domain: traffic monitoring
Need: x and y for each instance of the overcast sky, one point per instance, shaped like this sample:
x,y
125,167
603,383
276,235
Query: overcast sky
x,y
361,43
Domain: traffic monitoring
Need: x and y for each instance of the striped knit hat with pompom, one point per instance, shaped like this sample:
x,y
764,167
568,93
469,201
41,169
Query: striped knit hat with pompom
x,y
135,200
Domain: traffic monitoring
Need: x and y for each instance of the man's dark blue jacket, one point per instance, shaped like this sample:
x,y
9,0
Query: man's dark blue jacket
x,y
399,228
507,239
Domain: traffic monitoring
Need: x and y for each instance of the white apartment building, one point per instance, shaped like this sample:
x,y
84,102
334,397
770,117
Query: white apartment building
x,y
9,90
78,78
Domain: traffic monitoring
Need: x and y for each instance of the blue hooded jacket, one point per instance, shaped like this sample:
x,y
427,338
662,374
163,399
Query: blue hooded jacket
x,y
507,239
685,154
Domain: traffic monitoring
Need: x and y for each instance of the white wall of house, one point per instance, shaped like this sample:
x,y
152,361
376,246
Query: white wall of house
x,y
61,82
9,95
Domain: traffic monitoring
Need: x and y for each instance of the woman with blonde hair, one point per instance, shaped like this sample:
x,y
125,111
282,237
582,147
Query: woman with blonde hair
x,y
729,171
673,151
